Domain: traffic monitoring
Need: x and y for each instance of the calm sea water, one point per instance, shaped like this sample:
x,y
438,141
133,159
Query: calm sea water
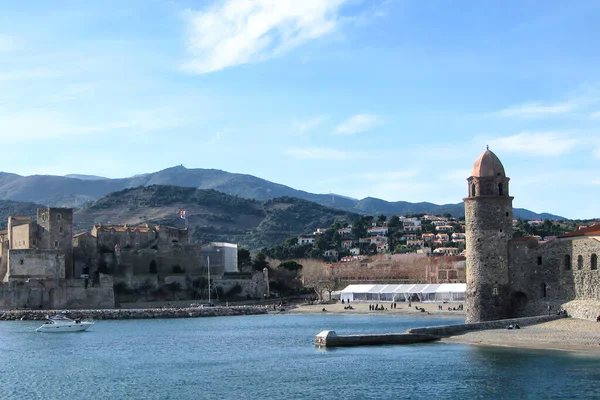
x,y
272,356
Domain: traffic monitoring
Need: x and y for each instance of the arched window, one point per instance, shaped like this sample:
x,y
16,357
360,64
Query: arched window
x,y
544,290
500,189
594,261
473,190
579,262
567,262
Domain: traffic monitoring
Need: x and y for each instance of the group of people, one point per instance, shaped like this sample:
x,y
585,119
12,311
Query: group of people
x,y
378,307
459,308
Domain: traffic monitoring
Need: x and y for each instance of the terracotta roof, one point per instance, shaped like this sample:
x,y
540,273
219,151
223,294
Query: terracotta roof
x,y
593,230
487,165
76,235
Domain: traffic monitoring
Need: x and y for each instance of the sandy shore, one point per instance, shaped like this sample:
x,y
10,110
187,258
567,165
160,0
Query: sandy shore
x,y
563,334
363,308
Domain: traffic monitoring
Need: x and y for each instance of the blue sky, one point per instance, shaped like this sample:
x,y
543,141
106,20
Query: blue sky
x,y
385,98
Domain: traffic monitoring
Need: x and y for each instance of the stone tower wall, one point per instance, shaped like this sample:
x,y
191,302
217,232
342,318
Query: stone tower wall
x,y
488,230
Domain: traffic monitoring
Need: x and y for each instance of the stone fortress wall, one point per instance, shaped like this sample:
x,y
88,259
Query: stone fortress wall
x,y
44,266
517,277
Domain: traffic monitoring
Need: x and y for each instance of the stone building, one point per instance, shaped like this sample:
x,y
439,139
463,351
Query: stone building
x,y
37,265
514,277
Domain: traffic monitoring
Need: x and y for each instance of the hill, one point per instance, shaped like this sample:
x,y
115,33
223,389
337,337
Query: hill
x,y
212,215
8,208
79,190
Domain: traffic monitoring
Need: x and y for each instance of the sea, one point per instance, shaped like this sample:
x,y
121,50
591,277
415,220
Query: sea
x,y
273,357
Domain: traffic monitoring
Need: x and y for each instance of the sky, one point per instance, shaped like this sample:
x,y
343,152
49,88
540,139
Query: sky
x,y
390,99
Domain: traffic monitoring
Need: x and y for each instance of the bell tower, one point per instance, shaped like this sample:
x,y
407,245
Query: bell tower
x,y
488,219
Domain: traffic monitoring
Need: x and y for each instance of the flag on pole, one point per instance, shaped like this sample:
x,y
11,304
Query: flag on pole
x,y
182,214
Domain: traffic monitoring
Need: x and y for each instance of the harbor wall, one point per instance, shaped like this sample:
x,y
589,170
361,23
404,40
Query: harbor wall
x,y
450,330
146,313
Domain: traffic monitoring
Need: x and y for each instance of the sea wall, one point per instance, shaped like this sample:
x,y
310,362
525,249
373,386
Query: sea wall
x,y
146,313
450,330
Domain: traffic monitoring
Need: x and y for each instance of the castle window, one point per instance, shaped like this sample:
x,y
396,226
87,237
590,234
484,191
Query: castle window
x,y
579,262
60,229
473,190
33,241
56,243
594,261
507,213
58,217
500,189
567,262
544,290
539,260
21,261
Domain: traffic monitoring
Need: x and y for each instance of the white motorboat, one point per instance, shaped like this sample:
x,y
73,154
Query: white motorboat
x,y
60,323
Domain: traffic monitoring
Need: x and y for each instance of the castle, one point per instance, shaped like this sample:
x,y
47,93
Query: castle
x,y
43,265
516,277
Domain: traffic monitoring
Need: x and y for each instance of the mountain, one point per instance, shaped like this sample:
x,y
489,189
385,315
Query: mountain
x,y
79,190
8,208
212,215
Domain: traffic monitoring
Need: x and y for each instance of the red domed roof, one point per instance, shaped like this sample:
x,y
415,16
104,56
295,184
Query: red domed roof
x,y
487,165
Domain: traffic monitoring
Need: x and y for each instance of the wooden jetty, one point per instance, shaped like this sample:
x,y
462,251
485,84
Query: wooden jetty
x,y
331,339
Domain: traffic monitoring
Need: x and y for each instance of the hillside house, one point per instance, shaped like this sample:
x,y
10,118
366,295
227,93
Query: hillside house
x,y
448,251
428,237
378,231
303,240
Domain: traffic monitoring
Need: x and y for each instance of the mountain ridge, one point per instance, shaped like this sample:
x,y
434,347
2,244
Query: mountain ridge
x,y
76,190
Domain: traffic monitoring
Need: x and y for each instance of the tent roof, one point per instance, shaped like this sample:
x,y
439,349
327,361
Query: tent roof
x,y
408,288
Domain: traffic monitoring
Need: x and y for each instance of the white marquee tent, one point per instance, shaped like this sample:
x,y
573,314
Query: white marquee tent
x,y
454,292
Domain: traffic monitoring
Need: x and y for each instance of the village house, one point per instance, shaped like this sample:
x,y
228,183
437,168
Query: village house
x,y
449,251
378,231
309,240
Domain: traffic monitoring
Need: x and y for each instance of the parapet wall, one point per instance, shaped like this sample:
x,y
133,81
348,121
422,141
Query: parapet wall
x,y
450,330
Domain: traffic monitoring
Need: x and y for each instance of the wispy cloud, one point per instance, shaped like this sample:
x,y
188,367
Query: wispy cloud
x,y
43,124
7,43
215,138
303,127
320,153
536,143
237,32
529,110
358,124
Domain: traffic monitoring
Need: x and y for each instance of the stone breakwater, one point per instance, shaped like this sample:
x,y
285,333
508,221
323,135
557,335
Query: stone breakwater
x,y
145,313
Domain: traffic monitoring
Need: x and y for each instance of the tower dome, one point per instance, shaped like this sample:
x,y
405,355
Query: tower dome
x,y
487,166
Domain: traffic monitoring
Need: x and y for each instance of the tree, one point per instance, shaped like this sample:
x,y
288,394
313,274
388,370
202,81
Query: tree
x,y
145,287
174,287
244,259
394,222
290,265
359,228
381,219
260,262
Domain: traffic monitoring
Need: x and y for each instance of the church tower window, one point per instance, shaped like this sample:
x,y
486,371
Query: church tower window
x,y
500,189
567,262
579,262
594,261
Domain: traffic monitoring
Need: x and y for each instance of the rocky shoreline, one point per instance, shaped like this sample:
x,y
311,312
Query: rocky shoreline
x,y
141,313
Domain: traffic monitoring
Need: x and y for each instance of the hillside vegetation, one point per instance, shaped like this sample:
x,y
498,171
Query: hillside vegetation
x,y
212,215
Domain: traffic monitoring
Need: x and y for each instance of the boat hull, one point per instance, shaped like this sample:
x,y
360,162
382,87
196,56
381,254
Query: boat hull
x,y
58,328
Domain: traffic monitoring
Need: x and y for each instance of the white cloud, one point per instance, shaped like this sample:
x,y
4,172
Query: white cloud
x,y
303,127
535,143
357,124
240,31
536,110
6,43
320,153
